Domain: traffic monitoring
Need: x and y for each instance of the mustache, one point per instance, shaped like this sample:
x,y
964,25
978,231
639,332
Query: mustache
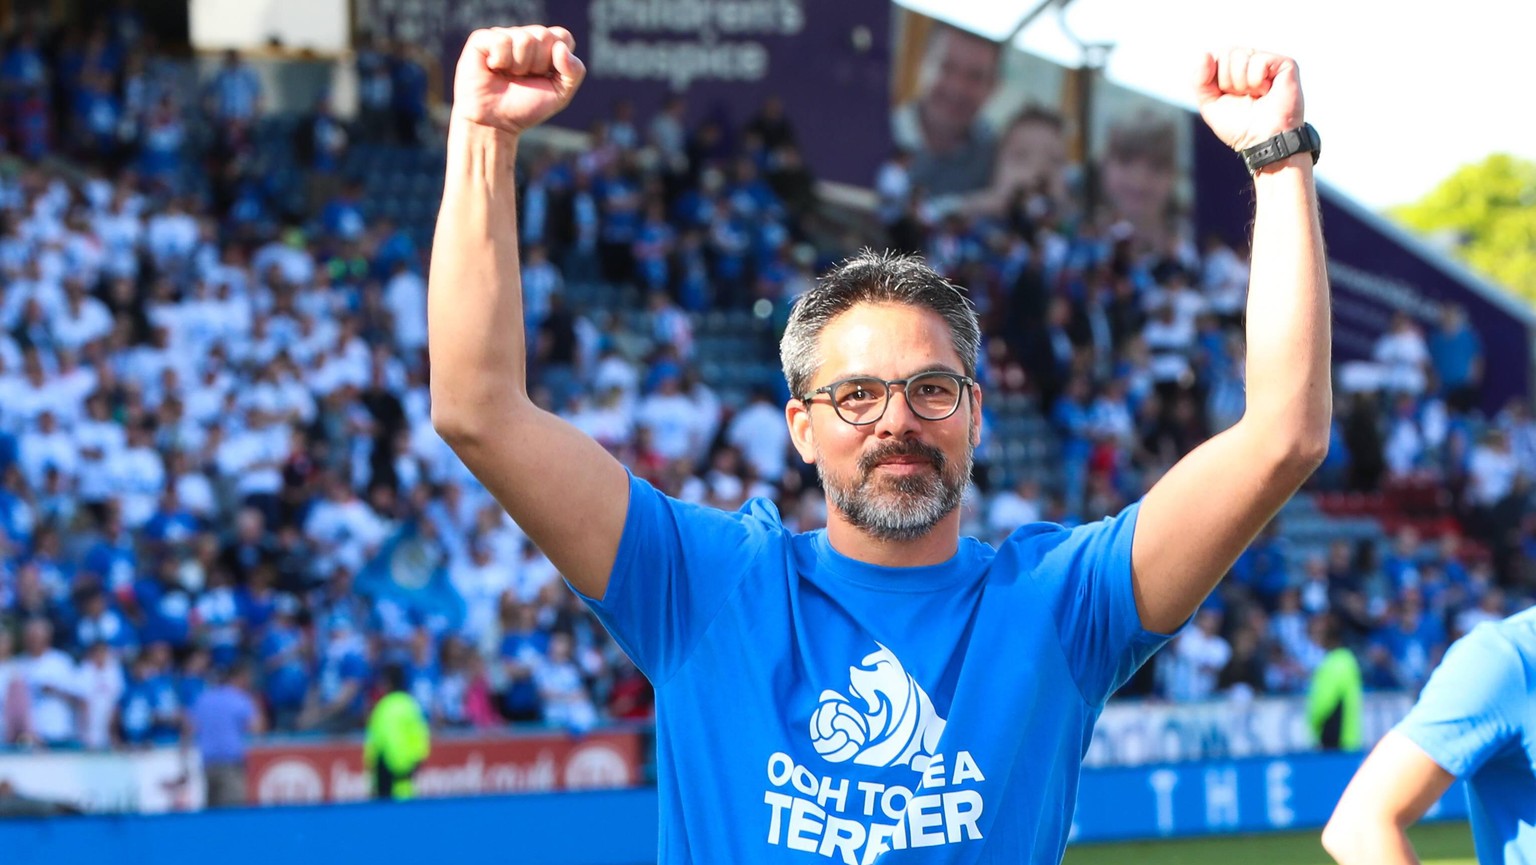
x,y
909,448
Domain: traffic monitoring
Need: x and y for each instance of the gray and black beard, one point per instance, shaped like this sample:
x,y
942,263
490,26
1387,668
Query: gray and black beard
x,y
900,508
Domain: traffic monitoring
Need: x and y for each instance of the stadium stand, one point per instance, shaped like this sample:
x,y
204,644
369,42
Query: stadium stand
x,y
215,435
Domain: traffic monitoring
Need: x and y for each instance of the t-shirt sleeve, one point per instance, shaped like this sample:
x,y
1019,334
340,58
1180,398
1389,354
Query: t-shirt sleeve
x,y
1469,709
1096,614
677,564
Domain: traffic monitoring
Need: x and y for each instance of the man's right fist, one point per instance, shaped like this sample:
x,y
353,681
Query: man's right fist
x,y
514,78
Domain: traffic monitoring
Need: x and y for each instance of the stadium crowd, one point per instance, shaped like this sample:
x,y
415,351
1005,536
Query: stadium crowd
x,y
215,422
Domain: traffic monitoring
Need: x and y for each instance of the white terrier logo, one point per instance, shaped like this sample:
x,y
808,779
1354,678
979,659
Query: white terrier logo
x,y
893,724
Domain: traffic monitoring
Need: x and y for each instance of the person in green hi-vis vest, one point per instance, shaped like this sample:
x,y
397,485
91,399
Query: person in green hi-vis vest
x,y
398,739
1334,701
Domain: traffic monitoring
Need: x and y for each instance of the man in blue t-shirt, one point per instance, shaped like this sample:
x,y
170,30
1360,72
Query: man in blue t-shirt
x,y
1475,720
881,690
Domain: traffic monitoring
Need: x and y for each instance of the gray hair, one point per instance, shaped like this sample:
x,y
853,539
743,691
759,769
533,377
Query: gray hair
x,y
873,277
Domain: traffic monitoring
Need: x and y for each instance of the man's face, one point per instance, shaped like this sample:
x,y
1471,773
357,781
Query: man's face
x,y
1139,189
1029,153
959,74
898,477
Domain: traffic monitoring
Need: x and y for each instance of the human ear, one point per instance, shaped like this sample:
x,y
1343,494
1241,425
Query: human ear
x,y
798,415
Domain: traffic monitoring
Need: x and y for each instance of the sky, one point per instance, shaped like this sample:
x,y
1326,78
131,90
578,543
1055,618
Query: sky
x,y
1401,98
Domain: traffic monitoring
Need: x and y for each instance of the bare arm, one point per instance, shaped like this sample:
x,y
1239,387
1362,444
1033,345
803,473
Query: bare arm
x,y
561,487
1197,520
1395,785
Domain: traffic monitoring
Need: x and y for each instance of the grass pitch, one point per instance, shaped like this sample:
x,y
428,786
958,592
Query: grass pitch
x,y
1437,844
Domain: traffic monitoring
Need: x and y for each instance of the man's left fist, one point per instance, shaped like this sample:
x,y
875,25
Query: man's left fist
x,y
1248,96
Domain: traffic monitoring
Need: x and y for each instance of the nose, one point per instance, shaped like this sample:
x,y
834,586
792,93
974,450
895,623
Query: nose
x,y
900,420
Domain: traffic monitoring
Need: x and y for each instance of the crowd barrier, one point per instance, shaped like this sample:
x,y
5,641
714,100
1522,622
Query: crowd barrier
x,y
618,827
1136,732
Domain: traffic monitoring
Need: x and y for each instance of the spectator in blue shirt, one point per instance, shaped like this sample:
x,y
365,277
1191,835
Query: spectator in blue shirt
x,y
1456,353
171,523
343,216
218,618
408,94
99,621
1264,567
256,602
221,720
1414,639
234,94
524,646
423,673
165,606
284,663
136,707
192,679
336,701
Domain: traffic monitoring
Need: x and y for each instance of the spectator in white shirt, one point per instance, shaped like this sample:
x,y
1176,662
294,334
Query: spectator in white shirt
x,y
606,420
566,701
1403,356
171,236
1170,340
253,458
668,134
1493,470
74,382
47,446
1224,278
759,432
893,185
137,476
53,688
30,395
101,685
1014,507
405,295
344,529
1196,659
481,581
672,419
541,281
83,319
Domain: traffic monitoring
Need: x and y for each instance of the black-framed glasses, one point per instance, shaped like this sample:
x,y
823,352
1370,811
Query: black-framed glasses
x,y
863,400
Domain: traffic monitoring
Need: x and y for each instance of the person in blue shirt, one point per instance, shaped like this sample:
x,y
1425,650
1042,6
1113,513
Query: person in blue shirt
x,y
165,606
1456,353
524,646
336,701
880,690
1476,721
136,707
154,689
99,621
113,556
285,666
192,679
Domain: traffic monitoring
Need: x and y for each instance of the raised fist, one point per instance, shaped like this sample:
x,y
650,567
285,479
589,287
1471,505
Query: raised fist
x,y
514,78
1248,96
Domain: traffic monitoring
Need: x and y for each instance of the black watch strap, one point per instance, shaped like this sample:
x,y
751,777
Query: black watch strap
x,y
1303,139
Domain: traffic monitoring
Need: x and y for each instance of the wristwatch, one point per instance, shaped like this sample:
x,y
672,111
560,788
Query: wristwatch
x,y
1302,139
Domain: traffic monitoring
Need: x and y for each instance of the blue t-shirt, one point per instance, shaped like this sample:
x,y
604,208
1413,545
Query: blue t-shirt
x,y
285,683
1477,720
810,702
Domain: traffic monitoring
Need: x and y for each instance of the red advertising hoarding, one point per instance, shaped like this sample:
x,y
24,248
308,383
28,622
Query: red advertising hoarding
x,y
304,773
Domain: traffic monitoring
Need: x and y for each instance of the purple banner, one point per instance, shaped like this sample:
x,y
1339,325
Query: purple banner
x,y
828,61
1375,271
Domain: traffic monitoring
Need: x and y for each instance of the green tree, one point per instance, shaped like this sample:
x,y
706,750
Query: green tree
x,y
1490,208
